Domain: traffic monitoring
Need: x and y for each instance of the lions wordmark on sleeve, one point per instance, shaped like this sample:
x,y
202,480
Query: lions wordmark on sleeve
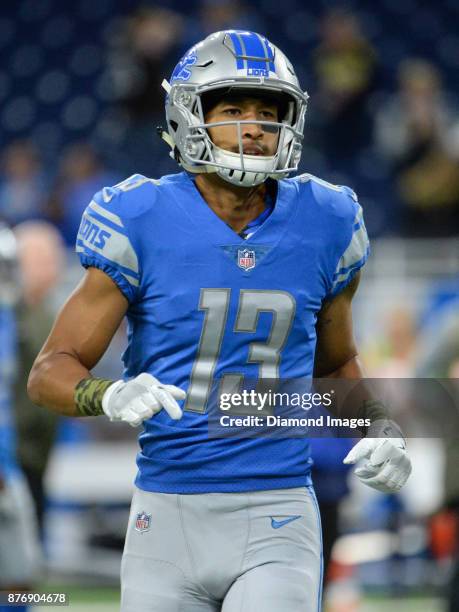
x,y
102,235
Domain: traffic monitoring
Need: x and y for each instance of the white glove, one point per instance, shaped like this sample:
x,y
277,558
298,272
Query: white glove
x,y
388,466
140,398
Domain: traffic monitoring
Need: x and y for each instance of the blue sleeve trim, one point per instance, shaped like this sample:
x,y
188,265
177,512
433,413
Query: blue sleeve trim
x,y
357,264
94,254
353,271
123,285
106,221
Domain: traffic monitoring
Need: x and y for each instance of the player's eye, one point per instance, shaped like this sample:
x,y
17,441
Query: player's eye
x,y
232,111
268,114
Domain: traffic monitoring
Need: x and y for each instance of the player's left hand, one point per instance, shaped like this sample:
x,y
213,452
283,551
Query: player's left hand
x,y
388,465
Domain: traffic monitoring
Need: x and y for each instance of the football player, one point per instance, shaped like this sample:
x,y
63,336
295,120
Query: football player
x,y
225,270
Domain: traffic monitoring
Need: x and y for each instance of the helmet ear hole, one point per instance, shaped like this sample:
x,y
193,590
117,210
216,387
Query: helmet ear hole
x,y
174,125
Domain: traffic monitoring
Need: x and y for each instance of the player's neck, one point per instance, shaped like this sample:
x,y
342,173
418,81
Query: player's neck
x,y
236,206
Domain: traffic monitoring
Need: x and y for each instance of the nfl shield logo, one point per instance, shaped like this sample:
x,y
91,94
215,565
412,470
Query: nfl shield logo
x,y
246,259
142,522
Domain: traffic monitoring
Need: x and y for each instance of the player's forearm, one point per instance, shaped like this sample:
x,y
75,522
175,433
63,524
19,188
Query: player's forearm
x,y
52,382
354,401
350,369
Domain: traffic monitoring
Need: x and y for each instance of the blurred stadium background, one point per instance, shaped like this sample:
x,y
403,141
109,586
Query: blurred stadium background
x,y
79,101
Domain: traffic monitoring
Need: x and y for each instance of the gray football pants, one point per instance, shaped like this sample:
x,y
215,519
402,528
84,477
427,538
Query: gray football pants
x,y
228,552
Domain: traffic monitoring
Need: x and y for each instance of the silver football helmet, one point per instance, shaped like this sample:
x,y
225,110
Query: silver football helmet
x,y
233,61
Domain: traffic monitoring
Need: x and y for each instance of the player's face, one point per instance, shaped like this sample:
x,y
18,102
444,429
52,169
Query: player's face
x,y
257,139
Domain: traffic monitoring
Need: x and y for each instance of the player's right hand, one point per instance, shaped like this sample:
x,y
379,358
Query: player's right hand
x,y
140,398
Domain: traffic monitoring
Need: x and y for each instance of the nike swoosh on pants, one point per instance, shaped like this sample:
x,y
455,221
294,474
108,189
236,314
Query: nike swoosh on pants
x,y
277,524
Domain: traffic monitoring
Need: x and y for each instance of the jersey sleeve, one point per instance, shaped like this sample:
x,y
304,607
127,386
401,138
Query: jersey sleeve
x,y
356,251
105,241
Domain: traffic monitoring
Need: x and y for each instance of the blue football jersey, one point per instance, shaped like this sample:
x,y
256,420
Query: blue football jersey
x,y
205,305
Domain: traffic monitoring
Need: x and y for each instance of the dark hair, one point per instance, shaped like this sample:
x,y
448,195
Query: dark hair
x,y
211,98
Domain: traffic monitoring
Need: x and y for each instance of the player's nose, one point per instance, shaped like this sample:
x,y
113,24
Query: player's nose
x,y
251,130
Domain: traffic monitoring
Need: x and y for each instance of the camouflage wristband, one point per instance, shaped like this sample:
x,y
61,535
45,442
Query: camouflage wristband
x,y
88,395
373,410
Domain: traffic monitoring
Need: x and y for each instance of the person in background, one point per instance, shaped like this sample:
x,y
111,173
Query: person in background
x,y
412,131
22,183
346,68
41,256
80,173
19,551
140,50
144,46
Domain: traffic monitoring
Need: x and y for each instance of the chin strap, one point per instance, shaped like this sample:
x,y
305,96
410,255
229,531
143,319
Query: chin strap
x,y
175,154
164,135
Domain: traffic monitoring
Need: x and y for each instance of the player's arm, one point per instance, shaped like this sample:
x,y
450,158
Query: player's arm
x,y
80,335
61,378
336,352
388,466
337,355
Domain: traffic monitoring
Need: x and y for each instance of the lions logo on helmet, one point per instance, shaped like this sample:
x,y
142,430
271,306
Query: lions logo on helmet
x,y
182,71
233,61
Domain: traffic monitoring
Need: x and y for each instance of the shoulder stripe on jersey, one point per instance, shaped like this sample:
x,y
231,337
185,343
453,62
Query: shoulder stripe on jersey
x,y
82,248
105,213
355,254
110,243
344,273
304,178
134,181
129,276
117,247
90,214
354,251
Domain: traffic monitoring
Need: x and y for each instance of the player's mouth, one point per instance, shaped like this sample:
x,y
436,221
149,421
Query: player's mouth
x,y
253,150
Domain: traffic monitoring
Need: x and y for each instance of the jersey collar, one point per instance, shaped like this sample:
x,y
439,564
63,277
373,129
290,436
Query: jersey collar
x,y
208,222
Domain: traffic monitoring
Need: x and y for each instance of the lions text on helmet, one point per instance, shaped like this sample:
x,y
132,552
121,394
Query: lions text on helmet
x,y
224,66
